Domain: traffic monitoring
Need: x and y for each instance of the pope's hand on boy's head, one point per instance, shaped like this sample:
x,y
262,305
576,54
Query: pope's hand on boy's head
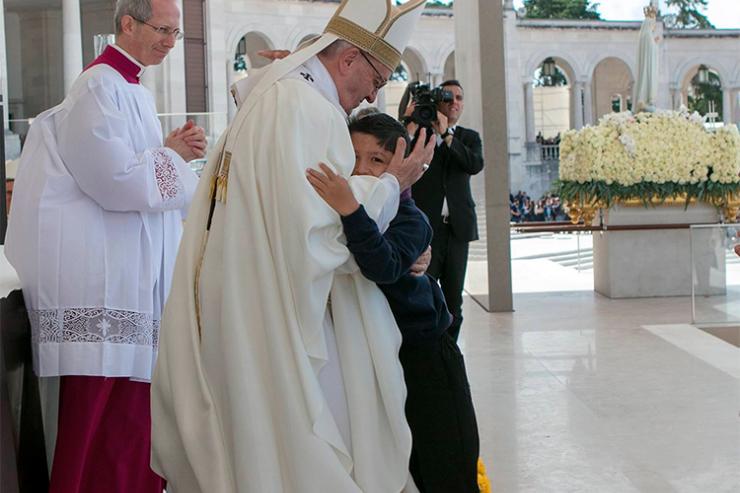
x,y
408,170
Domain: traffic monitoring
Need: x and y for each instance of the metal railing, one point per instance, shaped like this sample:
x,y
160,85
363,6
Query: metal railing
x,y
550,152
542,153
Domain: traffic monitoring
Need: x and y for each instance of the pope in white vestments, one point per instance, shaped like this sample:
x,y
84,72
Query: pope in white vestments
x,y
278,368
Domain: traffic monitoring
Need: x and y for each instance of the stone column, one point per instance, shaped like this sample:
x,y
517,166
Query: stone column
x,y
230,80
588,103
727,104
736,105
380,101
72,26
675,97
3,66
219,82
480,63
437,77
529,111
149,78
577,97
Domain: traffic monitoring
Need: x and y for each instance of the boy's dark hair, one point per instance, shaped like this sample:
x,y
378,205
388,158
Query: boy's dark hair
x,y
384,128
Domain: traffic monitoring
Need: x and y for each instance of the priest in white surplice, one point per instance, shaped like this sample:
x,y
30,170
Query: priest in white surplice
x,y
96,220
278,368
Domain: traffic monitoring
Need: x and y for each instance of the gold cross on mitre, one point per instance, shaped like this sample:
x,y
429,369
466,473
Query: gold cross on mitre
x,y
378,27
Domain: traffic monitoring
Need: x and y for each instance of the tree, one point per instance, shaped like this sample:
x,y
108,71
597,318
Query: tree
x,y
561,9
557,79
689,14
702,93
430,3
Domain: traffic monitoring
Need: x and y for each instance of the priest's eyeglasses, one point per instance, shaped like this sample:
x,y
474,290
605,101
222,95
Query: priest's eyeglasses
x,y
381,81
163,31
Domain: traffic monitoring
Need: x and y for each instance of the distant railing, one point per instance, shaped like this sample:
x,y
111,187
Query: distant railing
x,y
550,152
542,153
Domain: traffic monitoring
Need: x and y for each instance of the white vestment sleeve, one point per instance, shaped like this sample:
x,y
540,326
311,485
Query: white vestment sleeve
x,y
96,145
391,206
364,190
380,198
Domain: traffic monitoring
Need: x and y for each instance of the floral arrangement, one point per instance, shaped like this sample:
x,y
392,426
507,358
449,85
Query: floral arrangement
x,y
484,484
649,157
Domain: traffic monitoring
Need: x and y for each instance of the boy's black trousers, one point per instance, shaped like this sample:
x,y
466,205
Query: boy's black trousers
x,y
440,413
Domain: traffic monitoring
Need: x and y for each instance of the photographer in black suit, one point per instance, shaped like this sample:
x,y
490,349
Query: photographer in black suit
x,y
443,194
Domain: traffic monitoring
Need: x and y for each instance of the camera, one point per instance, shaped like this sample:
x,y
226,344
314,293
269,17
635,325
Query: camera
x,y
426,101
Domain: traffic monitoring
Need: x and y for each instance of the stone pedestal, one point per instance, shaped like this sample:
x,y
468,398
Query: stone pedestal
x,y
658,262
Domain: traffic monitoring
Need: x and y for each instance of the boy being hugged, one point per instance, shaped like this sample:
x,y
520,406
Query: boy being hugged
x,y
439,408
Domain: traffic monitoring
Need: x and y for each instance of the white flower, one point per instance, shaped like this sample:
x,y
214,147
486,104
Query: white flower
x,y
629,144
660,147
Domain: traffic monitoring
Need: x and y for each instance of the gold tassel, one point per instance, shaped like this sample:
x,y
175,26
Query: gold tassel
x,y
222,181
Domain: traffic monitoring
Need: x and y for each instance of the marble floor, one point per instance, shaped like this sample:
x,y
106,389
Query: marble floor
x,y
579,393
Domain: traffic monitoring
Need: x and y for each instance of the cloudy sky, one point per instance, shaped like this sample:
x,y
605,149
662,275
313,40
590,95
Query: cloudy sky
x,y
721,13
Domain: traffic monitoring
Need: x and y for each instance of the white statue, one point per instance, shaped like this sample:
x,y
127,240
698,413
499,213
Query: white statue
x,y
646,87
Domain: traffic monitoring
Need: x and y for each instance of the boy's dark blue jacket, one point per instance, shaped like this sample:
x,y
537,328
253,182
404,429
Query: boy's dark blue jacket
x,y
417,302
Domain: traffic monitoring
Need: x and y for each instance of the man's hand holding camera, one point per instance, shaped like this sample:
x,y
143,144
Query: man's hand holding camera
x,y
441,127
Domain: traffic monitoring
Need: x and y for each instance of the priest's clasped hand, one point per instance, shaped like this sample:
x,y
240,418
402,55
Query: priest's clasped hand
x,y
408,171
189,141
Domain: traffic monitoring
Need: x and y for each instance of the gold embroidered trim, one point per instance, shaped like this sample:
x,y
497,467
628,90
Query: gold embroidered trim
x,y
365,40
222,179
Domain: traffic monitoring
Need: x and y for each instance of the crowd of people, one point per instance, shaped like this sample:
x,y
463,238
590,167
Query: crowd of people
x,y
548,208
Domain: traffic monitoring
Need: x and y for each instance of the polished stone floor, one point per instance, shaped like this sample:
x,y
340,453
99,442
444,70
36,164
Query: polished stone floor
x,y
578,393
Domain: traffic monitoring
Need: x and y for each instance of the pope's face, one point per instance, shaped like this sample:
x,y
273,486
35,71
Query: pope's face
x,y
367,77
150,47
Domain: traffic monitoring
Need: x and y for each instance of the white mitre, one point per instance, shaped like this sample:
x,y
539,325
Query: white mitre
x,y
378,27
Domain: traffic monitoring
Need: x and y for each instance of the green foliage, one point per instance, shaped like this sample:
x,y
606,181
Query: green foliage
x,y
239,63
561,9
432,3
555,80
400,74
704,92
600,192
616,105
689,14
439,3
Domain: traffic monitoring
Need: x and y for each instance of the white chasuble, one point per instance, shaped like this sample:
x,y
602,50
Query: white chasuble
x,y
237,405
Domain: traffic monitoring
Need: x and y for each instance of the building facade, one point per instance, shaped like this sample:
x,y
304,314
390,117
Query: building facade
x,y
45,43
